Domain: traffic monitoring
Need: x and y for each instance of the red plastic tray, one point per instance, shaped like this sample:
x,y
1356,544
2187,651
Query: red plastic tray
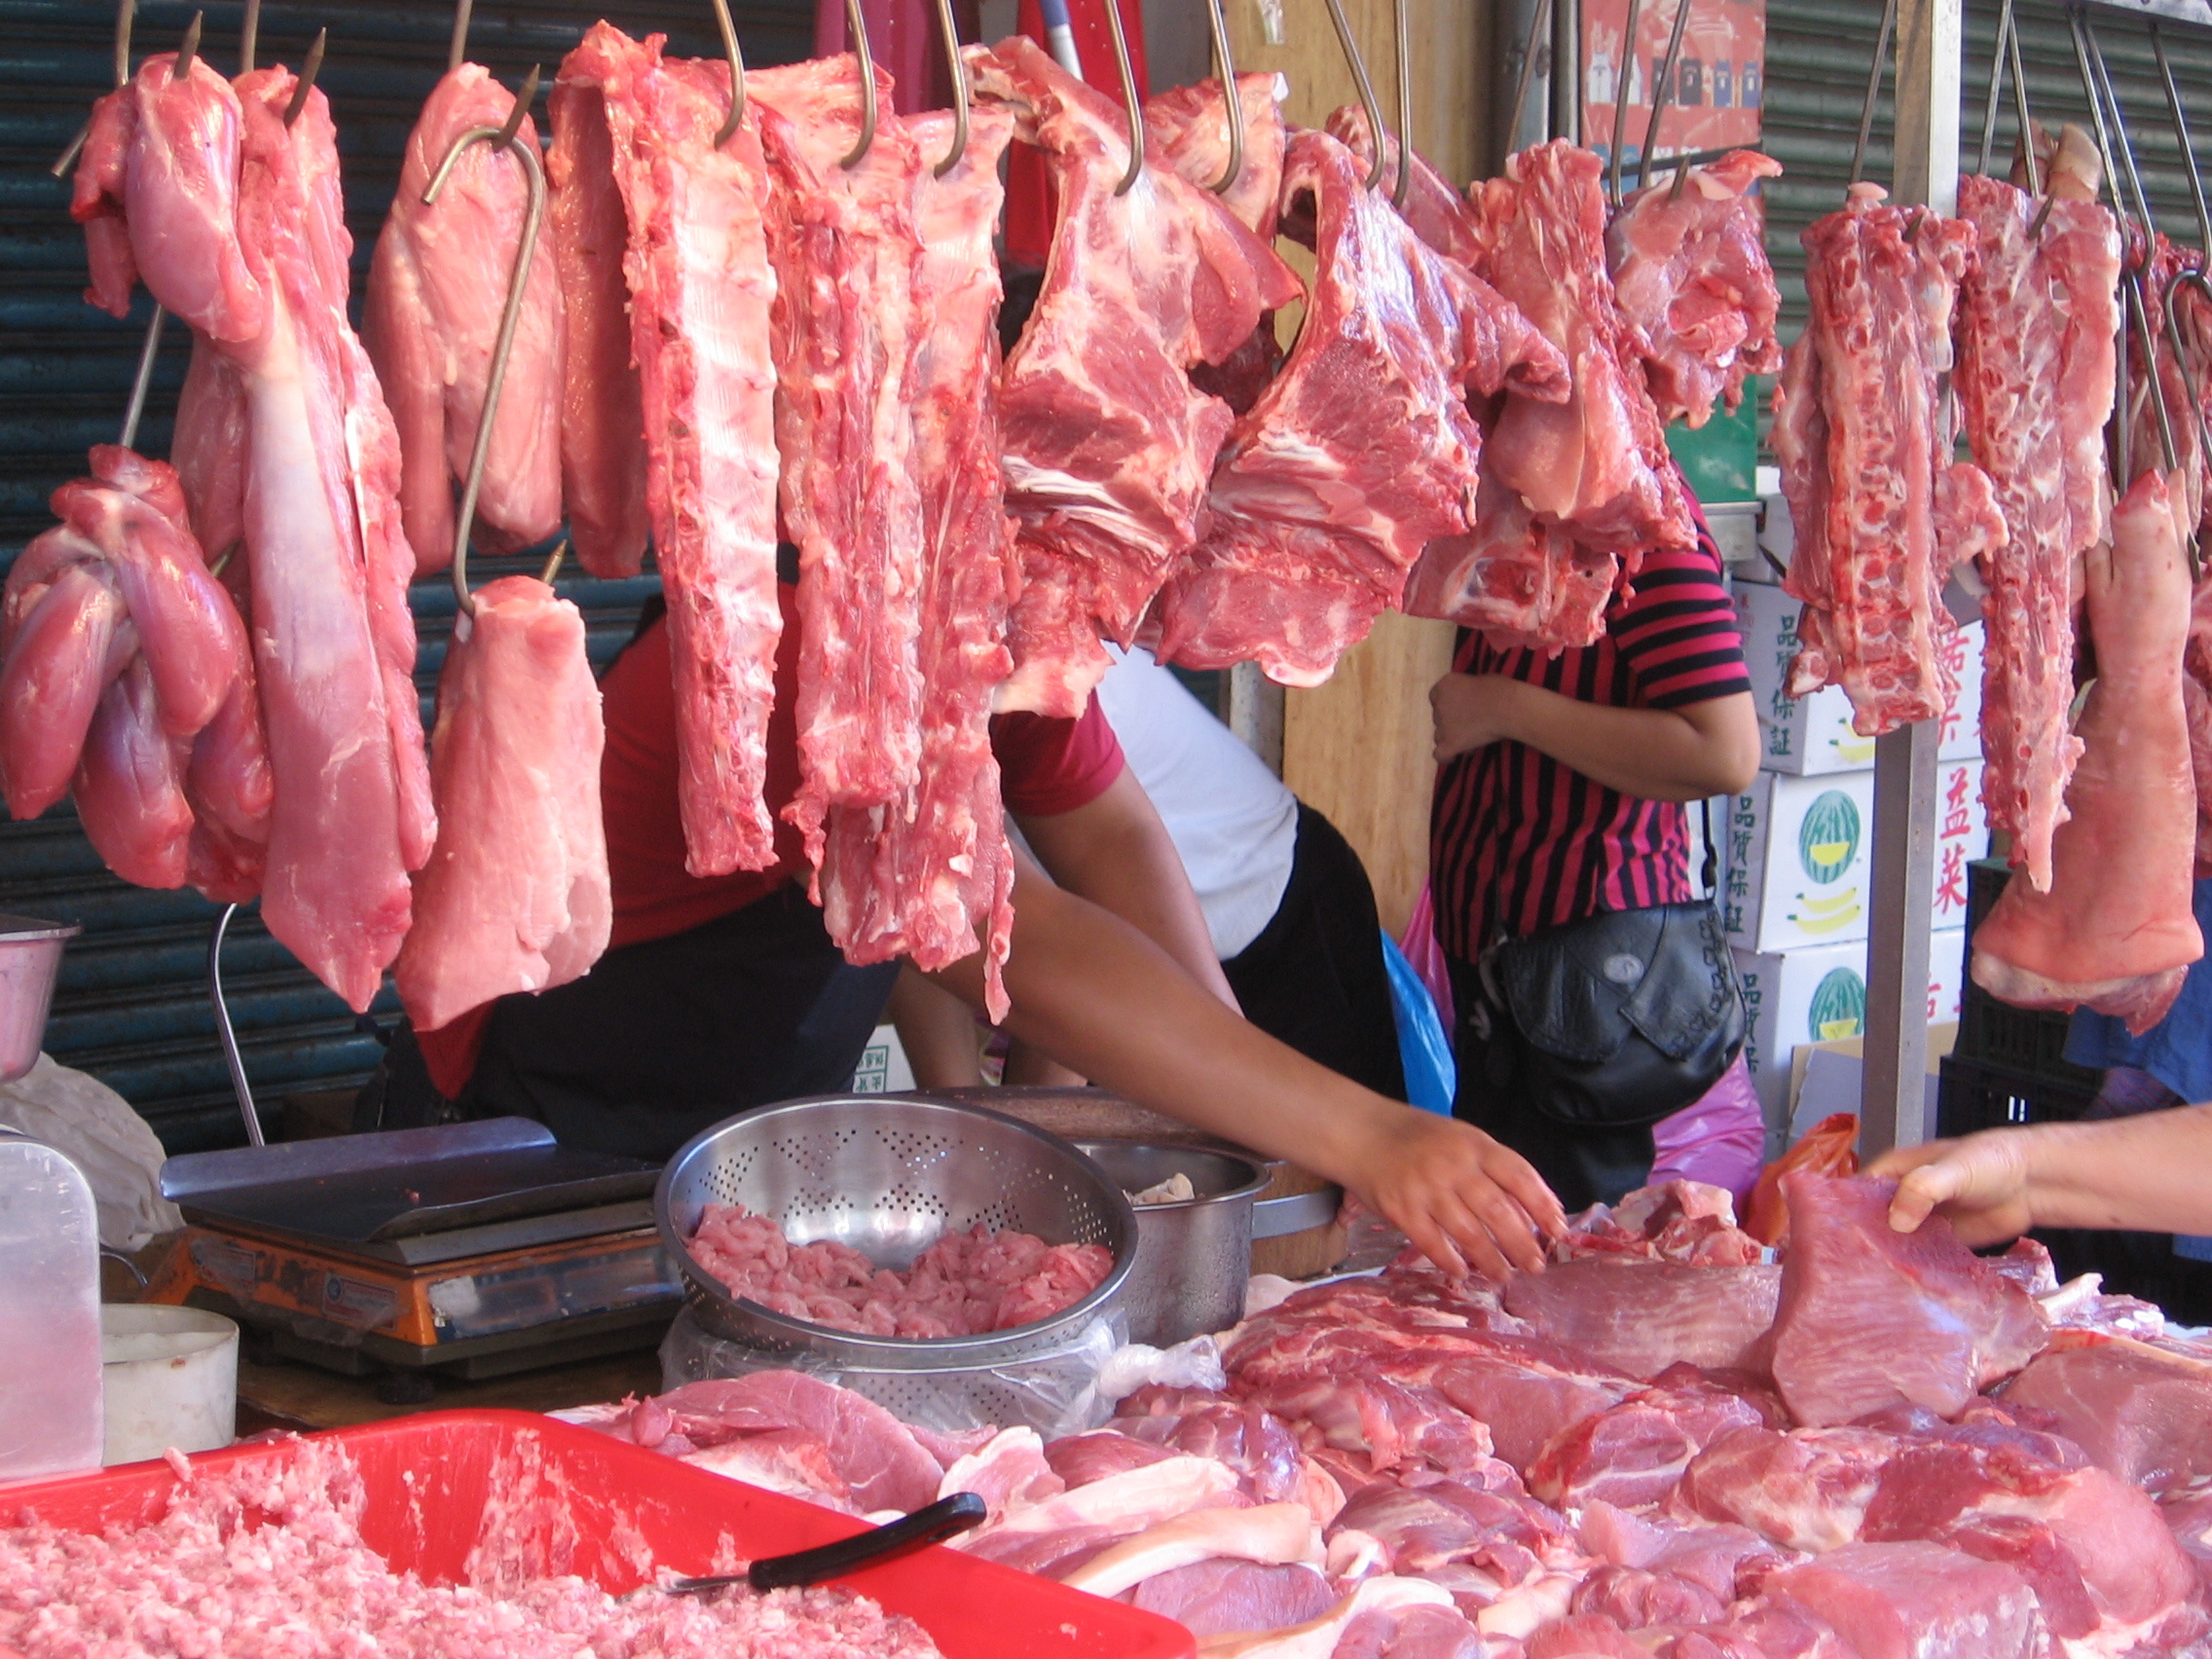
x,y
428,1478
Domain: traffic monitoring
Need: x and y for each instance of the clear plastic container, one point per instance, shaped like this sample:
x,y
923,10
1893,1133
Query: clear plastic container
x,y
50,1313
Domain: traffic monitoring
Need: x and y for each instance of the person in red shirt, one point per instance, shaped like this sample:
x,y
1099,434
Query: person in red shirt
x,y
722,995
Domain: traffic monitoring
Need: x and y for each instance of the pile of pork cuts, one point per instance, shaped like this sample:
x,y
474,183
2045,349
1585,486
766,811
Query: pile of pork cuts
x,y
733,339
1667,1445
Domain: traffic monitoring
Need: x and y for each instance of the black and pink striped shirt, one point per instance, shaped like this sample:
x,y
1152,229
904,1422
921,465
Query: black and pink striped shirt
x,y
1519,841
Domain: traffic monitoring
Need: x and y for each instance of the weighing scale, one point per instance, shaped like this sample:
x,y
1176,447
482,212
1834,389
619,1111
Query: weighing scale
x,y
475,1248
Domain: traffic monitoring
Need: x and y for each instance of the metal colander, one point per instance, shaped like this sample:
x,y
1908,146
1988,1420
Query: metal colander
x,y
889,1175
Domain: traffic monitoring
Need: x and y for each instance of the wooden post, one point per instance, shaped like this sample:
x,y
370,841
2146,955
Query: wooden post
x,y
1893,1105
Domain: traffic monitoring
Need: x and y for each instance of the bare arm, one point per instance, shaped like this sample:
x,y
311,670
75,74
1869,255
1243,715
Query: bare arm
x,y
1705,749
1090,988
2149,1174
1114,852
938,1031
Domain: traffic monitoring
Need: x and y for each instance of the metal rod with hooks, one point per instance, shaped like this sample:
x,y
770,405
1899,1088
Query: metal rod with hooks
x,y
736,73
507,138
2005,27
1217,24
1367,100
2027,125
1403,38
960,96
1621,97
1537,21
1660,94
1132,104
1873,89
2183,138
857,26
125,13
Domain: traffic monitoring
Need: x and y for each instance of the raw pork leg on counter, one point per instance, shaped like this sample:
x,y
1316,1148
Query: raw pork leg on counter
x,y
700,292
125,673
1882,513
1108,445
930,875
1360,452
602,414
2115,930
515,897
437,286
845,333
1690,270
2036,322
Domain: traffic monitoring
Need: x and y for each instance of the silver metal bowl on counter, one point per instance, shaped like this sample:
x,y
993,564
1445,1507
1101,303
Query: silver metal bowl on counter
x,y
30,961
889,1175
1193,1254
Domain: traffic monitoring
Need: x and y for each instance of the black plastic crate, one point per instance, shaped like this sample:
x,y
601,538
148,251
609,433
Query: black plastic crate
x,y
1973,1095
2024,1039
1985,880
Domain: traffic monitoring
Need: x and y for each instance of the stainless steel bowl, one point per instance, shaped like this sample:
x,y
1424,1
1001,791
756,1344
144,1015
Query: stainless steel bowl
x,y
1195,1254
889,1174
30,961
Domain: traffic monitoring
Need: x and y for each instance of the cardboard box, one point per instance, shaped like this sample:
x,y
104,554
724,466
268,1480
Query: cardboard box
x,y
1798,998
1813,734
883,1067
1798,852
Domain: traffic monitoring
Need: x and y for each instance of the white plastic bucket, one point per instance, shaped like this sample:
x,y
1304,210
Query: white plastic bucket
x,y
171,1378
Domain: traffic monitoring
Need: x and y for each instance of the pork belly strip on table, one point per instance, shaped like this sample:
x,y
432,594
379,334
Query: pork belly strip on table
x,y
2116,931
1360,452
437,286
1107,443
2036,322
700,290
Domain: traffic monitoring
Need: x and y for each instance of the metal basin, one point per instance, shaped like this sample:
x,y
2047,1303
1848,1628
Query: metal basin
x,y
30,960
1192,1255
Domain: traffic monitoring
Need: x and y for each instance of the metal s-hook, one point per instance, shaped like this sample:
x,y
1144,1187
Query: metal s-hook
x,y
960,100
223,1030
1538,22
308,71
249,37
189,50
857,25
1659,92
147,352
123,14
1405,50
1997,62
456,51
1376,129
1234,98
1620,100
1873,89
1133,105
506,137
2188,145
736,72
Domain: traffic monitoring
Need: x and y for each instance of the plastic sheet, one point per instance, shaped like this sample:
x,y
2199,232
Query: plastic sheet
x,y
1431,1075
1055,1393
95,1128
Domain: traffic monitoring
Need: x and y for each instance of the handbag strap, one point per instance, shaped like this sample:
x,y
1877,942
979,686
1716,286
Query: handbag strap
x,y
1712,869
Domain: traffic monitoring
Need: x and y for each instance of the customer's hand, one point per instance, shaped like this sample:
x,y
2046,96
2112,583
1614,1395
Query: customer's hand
x,y
1981,1183
1471,711
1464,1199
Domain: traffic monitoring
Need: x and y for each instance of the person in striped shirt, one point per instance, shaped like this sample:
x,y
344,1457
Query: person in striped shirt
x,y
1560,794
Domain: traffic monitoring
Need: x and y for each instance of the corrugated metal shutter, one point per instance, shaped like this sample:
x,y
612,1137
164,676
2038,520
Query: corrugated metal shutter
x,y
132,1006
1818,56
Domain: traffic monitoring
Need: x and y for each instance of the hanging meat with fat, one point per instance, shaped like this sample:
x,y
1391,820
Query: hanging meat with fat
x,y
1107,445
700,290
437,286
1361,451
2037,323
1881,511
2116,931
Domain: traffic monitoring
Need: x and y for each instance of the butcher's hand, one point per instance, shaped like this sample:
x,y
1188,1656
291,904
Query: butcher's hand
x,y
1464,1199
1981,1183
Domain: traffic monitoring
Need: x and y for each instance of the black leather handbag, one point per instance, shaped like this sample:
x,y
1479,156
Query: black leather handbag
x,y
1618,1021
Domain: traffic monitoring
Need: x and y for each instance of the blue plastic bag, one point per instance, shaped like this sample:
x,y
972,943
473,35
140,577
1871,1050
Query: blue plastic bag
x,y
1431,1076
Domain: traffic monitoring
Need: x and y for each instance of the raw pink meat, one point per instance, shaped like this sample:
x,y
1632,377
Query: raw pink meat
x,y
1272,1533
1871,1319
1107,445
2116,931
516,895
1386,1425
1215,1598
1360,452
1882,512
1508,1536
963,1285
602,415
701,288
2037,321
1716,1557
1636,1599
1520,582
1009,1471
1596,465
2143,1413
1236,1432
930,875
1690,270
1080,1459
1633,1454
209,449
846,333
1640,1316
1806,1489
268,1563
1062,1532
1438,213
124,663
1690,1222
1915,1602
437,286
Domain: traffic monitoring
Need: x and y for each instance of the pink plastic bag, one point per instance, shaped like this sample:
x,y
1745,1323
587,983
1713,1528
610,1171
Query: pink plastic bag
x,y
1427,959
1719,1138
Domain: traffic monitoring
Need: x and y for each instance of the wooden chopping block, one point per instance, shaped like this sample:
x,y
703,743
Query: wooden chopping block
x,y
1094,1113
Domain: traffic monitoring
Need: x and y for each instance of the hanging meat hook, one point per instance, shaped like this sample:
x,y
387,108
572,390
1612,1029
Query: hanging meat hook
x,y
2186,143
858,25
508,138
1405,180
1537,22
456,51
1873,89
1130,102
223,1028
1627,72
249,37
1233,100
308,71
189,49
736,73
123,13
959,68
1659,92
1367,99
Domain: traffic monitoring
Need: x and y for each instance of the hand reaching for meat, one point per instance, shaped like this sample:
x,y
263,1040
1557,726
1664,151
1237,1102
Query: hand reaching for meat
x,y
1465,1200
1979,1183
